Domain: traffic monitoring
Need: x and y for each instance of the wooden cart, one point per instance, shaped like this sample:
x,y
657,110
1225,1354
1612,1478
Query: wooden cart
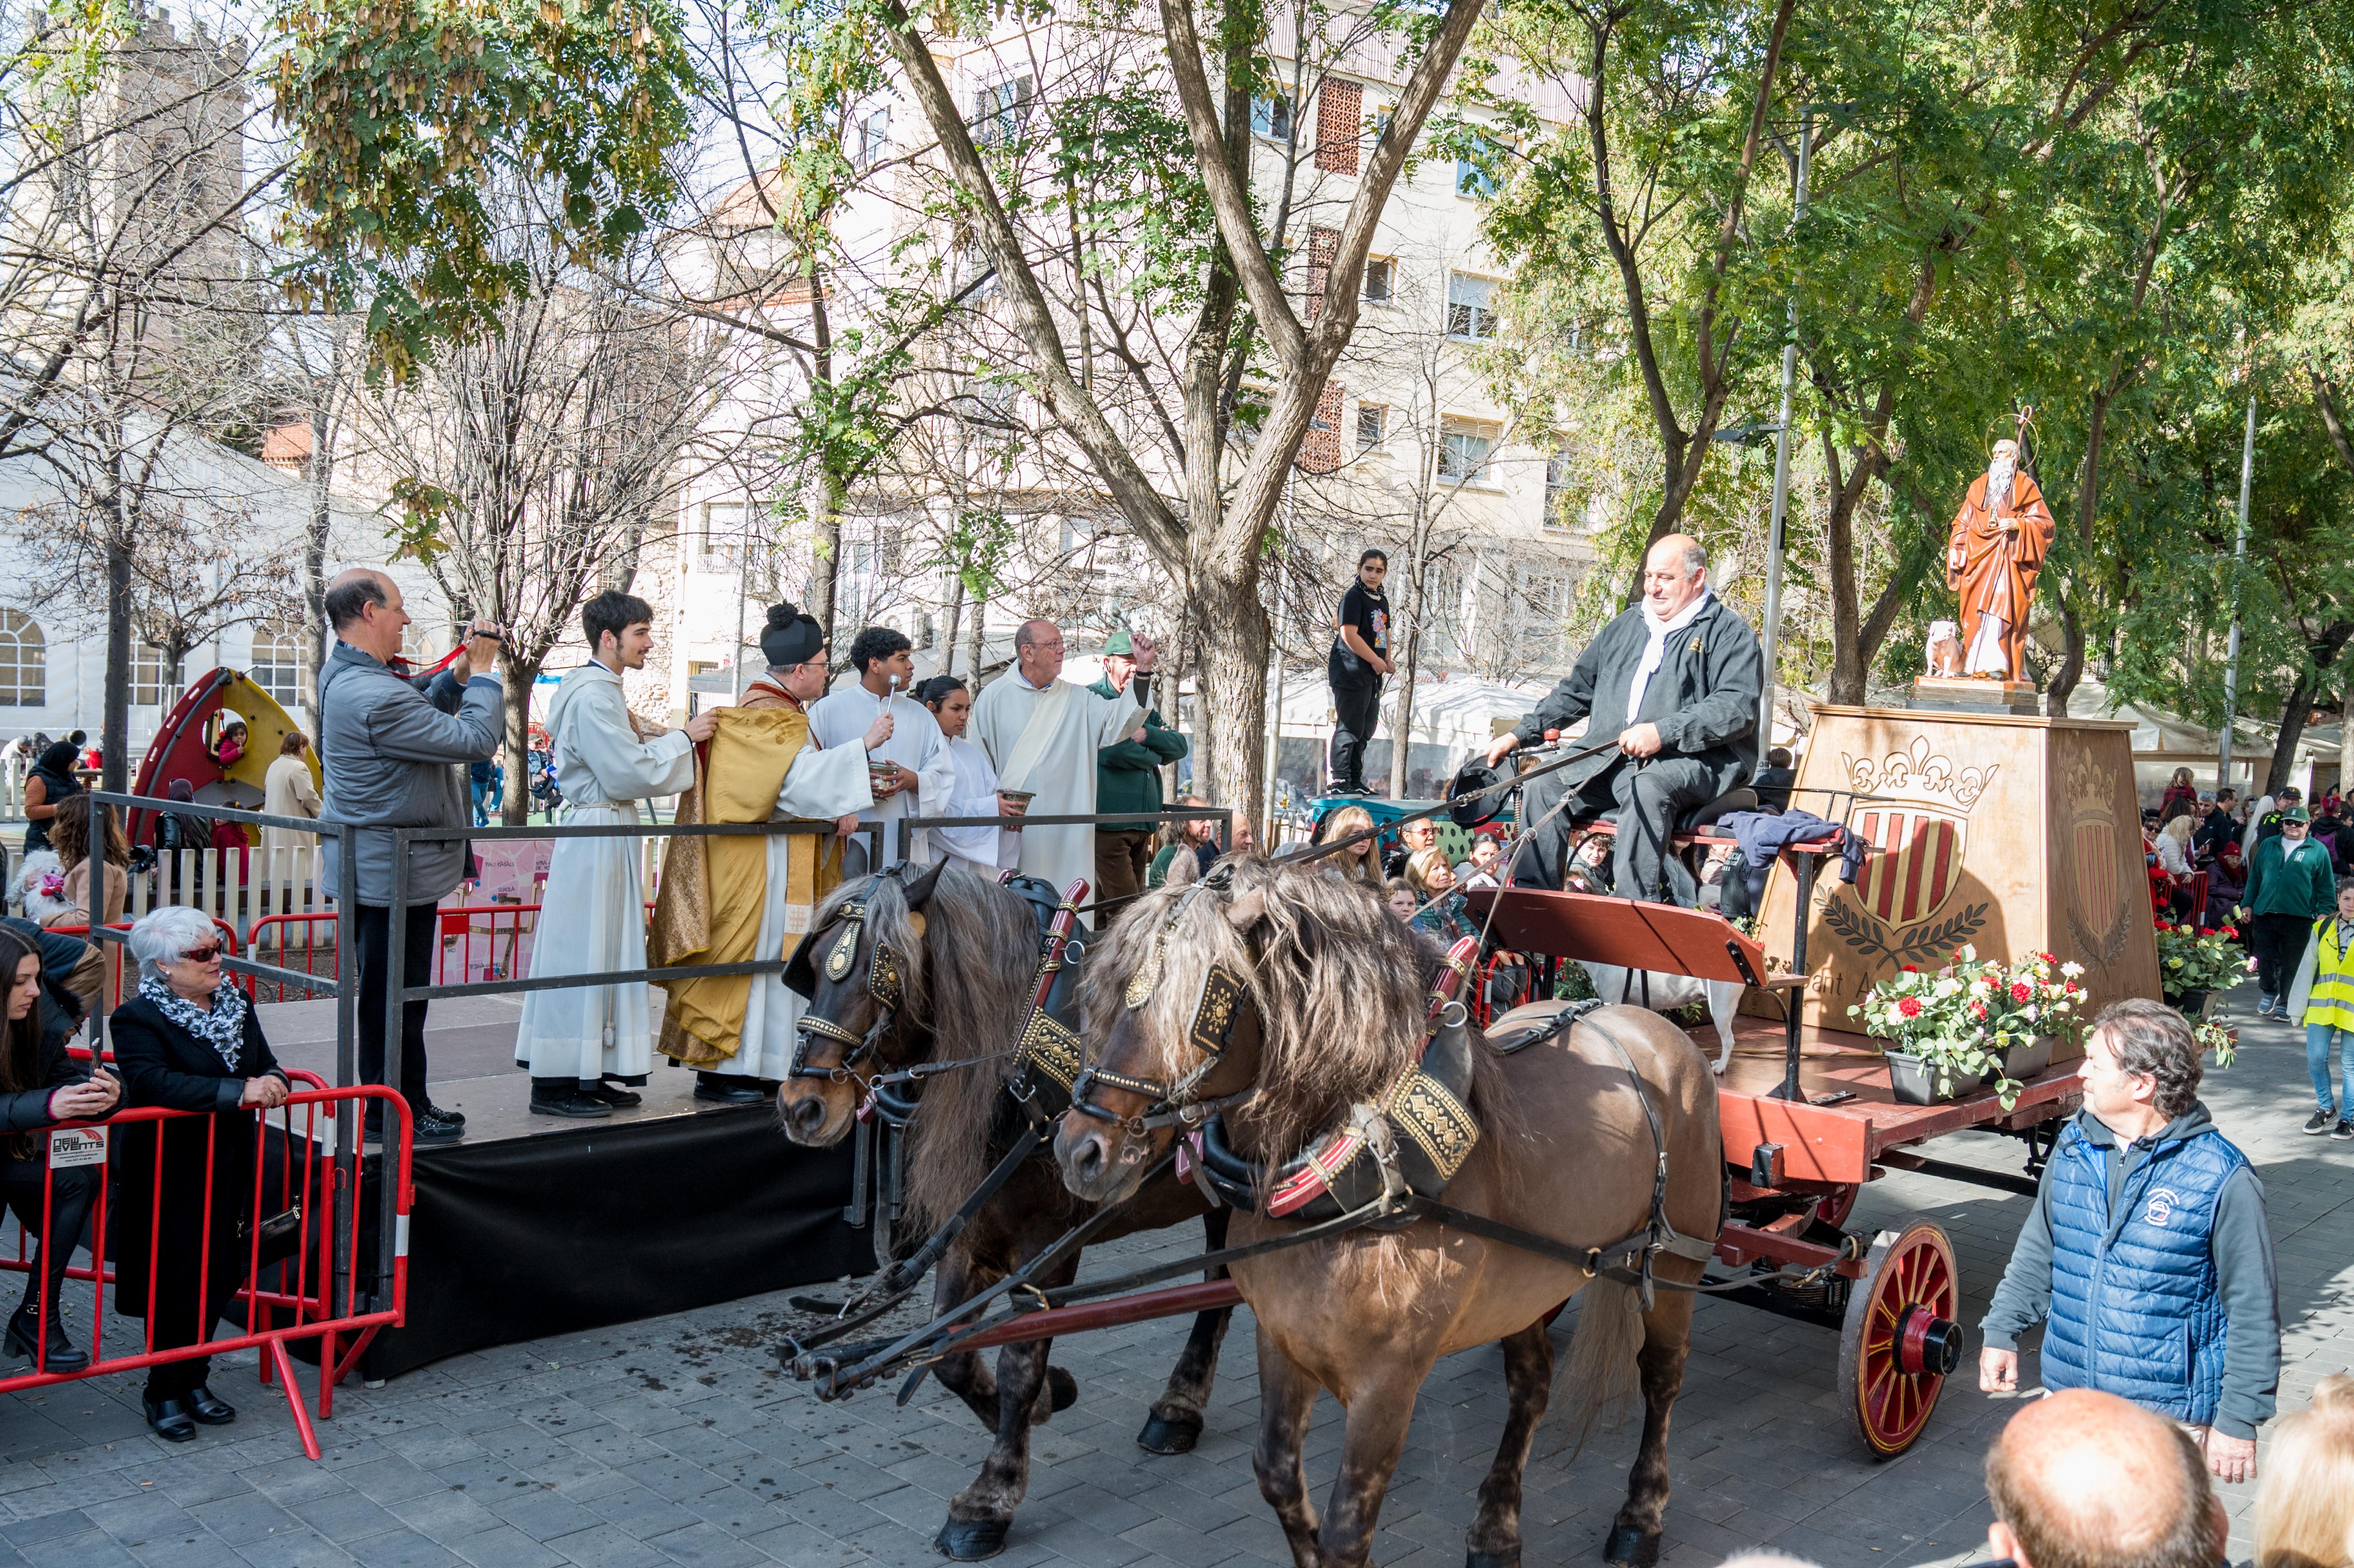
x,y
1807,1121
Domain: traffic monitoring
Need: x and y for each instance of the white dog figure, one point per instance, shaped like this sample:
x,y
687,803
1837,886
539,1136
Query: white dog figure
x,y
1663,992
1945,649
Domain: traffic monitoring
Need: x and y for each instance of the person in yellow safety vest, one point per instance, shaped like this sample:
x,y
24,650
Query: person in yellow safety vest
x,y
2322,999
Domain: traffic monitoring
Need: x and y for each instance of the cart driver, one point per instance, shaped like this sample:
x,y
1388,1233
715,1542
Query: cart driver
x,y
1678,679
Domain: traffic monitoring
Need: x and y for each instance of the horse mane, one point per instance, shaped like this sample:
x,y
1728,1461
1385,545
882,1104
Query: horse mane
x,y
967,981
1341,985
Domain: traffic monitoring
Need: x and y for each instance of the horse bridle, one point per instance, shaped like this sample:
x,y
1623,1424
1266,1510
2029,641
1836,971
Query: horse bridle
x,y
884,985
1218,1008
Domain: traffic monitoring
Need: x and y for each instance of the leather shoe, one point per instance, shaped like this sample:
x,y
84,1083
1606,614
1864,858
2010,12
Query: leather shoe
x,y
24,1324
728,1094
456,1118
169,1419
434,1127
613,1095
208,1407
577,1106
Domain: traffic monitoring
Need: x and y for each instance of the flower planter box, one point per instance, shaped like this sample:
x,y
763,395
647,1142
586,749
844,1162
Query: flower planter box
x,y
2023,1062
1914,1080
2196,1005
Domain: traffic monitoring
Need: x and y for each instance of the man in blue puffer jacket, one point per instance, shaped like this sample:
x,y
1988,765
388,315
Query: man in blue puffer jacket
x,y
2148,1256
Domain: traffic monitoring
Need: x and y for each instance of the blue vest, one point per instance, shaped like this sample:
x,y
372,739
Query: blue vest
x,y
2136,1308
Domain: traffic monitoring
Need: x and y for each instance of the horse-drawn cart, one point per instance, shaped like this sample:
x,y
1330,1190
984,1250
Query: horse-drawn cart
x,y
1808,1117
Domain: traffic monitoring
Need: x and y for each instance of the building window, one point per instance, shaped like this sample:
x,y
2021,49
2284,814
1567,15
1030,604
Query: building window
x,y
1380,280
719,540
277,663
1271,116
146,675
1372,426
1002,109
1474,174
1560,472
1463,452
1340,112
22,661
1377,125
1470,307
871,140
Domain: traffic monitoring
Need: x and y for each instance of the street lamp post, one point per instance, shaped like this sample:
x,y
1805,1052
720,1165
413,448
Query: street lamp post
x,y
1773,631
2231,651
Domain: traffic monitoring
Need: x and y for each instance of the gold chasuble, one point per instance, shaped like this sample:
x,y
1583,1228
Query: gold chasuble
x,y
712,888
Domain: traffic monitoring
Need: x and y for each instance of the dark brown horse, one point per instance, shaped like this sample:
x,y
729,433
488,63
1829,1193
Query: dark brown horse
x,y
965,953
1566,1152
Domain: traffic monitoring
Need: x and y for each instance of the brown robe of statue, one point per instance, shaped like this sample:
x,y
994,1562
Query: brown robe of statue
x,y
2000,552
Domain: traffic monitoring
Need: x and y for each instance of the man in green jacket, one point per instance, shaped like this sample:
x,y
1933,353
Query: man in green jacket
x,y
2290,885
1128,776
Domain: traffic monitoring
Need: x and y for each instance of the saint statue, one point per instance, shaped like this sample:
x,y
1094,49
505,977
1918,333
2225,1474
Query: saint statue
x,y
2000,536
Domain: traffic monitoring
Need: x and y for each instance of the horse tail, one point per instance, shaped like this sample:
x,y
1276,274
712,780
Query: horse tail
x,y
1599,1376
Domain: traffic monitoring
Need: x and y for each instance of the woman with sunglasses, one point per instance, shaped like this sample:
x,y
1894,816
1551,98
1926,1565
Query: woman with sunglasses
x,y
189,1041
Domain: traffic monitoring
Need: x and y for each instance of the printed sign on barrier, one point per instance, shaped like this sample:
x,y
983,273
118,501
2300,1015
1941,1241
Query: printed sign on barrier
x,y
71,1146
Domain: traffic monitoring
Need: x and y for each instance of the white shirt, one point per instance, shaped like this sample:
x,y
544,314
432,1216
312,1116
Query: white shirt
x,y
842,716
1655,651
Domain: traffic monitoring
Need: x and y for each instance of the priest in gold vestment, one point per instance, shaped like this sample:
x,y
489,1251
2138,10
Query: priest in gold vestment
x,y
728,899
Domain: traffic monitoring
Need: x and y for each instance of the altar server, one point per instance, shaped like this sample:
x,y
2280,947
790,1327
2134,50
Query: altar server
x,y
1041,733
736,898
983,849
922,776
584,1045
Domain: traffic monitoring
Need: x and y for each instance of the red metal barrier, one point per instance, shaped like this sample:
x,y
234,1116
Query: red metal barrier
x,y
300,1304
1484,1008
478,942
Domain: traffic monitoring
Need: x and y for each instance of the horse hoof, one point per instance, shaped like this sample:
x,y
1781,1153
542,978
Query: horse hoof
x,y
1170,1434
1062,1389
1492,1559
1630,1548
971,1540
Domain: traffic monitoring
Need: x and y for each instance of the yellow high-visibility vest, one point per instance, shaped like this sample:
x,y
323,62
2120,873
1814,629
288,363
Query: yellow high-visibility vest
x,y
2332,999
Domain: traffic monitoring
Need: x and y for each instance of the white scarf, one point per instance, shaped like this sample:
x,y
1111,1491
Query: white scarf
x,y
1656,650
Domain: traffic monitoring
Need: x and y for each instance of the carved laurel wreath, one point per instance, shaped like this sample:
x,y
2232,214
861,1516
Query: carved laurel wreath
x,y
1895,948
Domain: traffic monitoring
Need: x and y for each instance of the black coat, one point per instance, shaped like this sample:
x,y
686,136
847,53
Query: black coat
x,y
27,1110
161,1064
1704,696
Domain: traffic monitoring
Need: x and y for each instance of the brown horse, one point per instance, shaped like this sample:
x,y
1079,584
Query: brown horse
x,y
1567,1153
965,953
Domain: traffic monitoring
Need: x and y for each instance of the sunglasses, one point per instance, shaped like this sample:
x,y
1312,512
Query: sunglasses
x,y
201,954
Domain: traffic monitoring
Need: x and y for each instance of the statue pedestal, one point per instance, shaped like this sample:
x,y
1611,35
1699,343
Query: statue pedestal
x,y
1973,694
2013,833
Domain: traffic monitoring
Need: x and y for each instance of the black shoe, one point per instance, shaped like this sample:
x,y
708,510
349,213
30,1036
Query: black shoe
x,y
435,1128
455,1118
613,1095
208,1407
579,1107
169,1419
26,1323
2343,1130
727,1094
2319,1122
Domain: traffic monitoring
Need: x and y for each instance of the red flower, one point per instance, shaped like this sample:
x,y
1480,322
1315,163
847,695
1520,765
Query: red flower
x,y
2020,992
2049,958
2229,931
2206,930
1912,969
1977,1009
2072,988
1909,1006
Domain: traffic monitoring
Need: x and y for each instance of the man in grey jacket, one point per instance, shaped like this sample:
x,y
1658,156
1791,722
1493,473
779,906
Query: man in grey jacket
x,y
1676,680
396,752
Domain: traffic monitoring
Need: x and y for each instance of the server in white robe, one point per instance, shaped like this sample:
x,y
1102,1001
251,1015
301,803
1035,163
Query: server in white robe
x,y
983,849
582,1045
1042,733
922,778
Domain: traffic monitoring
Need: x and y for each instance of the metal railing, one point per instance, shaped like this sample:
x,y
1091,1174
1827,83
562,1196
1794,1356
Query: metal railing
x,y
1222,815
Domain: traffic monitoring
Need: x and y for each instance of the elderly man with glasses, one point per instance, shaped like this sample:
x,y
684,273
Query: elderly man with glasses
x,y
1042,734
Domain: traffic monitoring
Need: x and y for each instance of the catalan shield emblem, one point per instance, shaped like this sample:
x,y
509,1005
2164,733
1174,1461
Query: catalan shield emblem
x,y
1914,864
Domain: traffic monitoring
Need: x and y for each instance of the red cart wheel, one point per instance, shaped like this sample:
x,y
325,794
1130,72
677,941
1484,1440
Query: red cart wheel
x,y
1835,1207
1900,1342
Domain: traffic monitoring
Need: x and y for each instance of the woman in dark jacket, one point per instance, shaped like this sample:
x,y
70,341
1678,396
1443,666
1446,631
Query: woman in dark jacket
x,y
189,1041
52,780
40,1085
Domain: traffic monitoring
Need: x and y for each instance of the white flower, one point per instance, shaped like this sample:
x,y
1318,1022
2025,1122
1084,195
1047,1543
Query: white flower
x,y
2028,1012
2071,969
1981,988
1947,987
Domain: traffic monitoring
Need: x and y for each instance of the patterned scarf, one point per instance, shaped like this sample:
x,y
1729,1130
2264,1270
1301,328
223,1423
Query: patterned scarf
x,y
222,1028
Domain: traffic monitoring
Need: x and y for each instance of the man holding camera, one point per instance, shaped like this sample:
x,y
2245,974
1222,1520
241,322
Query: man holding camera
x,y
396,752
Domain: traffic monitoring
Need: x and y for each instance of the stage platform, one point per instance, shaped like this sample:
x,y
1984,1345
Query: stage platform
x,y
534,1226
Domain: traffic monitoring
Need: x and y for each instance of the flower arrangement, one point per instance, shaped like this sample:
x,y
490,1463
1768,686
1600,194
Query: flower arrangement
x,y
2200,959
1962,1019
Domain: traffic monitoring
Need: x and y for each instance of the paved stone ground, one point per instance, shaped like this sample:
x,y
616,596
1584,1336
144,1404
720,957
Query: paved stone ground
x,y
678,1442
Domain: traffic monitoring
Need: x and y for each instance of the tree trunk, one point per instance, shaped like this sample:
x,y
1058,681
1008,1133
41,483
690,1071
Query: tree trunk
x,y
1408,649
825,531
115,726
1229,768
2088,500
949,641
314,569
515,808
2072,660
972,643
2292,730
1851,664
